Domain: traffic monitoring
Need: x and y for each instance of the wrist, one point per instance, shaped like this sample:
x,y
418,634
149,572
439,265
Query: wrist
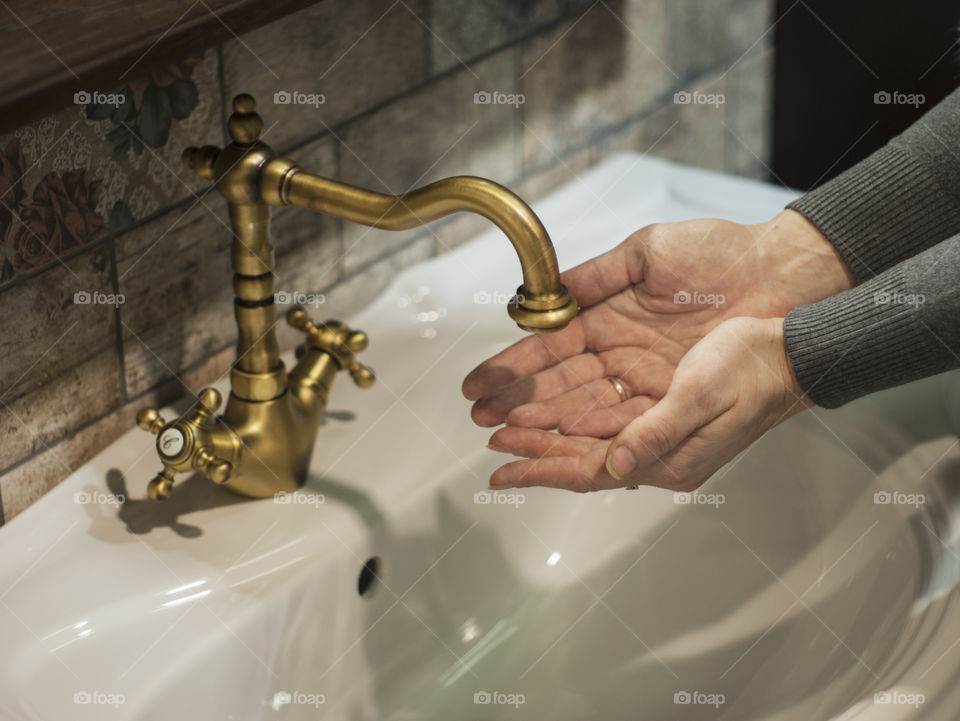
x,y
805,262
795,399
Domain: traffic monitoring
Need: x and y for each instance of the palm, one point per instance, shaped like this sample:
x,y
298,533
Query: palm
x,y
728,390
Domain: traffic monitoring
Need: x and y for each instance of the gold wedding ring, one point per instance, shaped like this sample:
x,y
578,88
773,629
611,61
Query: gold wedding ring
x,y
618,387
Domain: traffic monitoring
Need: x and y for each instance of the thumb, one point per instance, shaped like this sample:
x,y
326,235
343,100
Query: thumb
x,y
652,435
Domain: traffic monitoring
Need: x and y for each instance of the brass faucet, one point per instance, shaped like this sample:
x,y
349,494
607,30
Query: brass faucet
x,y
262,443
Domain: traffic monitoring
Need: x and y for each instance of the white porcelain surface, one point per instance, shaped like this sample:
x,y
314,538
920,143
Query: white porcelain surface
x,y
797,597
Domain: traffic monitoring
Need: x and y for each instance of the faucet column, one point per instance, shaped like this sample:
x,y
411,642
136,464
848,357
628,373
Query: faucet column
x,y
258,374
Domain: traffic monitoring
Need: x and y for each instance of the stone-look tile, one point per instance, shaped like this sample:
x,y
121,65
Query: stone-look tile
x,y
354,54
436,132
693,134
749,110
560,173
76,167
307,244
457,230
354,293
592,73
176,276
572,7
463,31
713,35
60,366
30,480
465,227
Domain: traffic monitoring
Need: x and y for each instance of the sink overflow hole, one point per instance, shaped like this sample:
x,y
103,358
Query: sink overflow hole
x,y
368,577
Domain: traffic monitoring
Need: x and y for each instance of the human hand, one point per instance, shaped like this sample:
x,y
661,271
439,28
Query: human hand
x,y
645,304
728,390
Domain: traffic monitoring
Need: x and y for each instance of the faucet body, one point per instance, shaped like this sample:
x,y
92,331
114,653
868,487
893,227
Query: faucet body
x,y
262,443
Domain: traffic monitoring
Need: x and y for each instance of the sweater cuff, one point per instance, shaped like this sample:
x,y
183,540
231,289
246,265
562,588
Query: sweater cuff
x,y
863,340
880,212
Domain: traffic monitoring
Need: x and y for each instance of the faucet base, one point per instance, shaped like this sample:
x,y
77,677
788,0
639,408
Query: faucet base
x,y
276,442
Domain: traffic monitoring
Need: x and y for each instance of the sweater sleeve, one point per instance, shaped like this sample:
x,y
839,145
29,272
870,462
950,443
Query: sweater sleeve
x,y
901,325
901,200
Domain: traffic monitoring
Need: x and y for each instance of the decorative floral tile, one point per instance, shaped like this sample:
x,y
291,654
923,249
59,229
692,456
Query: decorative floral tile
x,y
109,160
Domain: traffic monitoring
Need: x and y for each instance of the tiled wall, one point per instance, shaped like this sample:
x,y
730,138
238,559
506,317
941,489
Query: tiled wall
x,y
96,207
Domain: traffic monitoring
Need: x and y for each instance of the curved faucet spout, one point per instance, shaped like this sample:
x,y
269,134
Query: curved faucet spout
x,y
249,174
542,303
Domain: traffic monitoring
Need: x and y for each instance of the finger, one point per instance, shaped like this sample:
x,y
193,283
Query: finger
x,y
492,410
535,443
651,436
603,276
605,422
547,414
574,473
524,358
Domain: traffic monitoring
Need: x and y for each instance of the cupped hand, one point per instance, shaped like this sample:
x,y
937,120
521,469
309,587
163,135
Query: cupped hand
x,y
646,303
728,390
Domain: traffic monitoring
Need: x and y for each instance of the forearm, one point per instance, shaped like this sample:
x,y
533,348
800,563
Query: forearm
x,y
900,201
902,325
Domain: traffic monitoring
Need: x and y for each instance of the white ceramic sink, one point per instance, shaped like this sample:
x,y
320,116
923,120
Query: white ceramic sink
x,y
801,596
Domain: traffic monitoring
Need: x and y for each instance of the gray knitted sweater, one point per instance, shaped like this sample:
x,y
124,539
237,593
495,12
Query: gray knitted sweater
x,y
895,220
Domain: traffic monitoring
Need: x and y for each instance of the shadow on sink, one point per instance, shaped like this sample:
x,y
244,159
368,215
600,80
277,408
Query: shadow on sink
x,y
142,515
347,495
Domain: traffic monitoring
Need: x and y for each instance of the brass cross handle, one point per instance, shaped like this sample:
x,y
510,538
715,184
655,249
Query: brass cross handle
x,y
339,341
191,443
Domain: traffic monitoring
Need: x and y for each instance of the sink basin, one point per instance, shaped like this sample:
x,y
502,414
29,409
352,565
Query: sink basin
x,y
815,577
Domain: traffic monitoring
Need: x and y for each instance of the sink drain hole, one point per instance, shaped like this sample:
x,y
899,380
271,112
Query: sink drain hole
x,y
369,575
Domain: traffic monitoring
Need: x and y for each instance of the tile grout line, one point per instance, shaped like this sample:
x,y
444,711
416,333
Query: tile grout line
x,y
222,84
117,327
427,42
